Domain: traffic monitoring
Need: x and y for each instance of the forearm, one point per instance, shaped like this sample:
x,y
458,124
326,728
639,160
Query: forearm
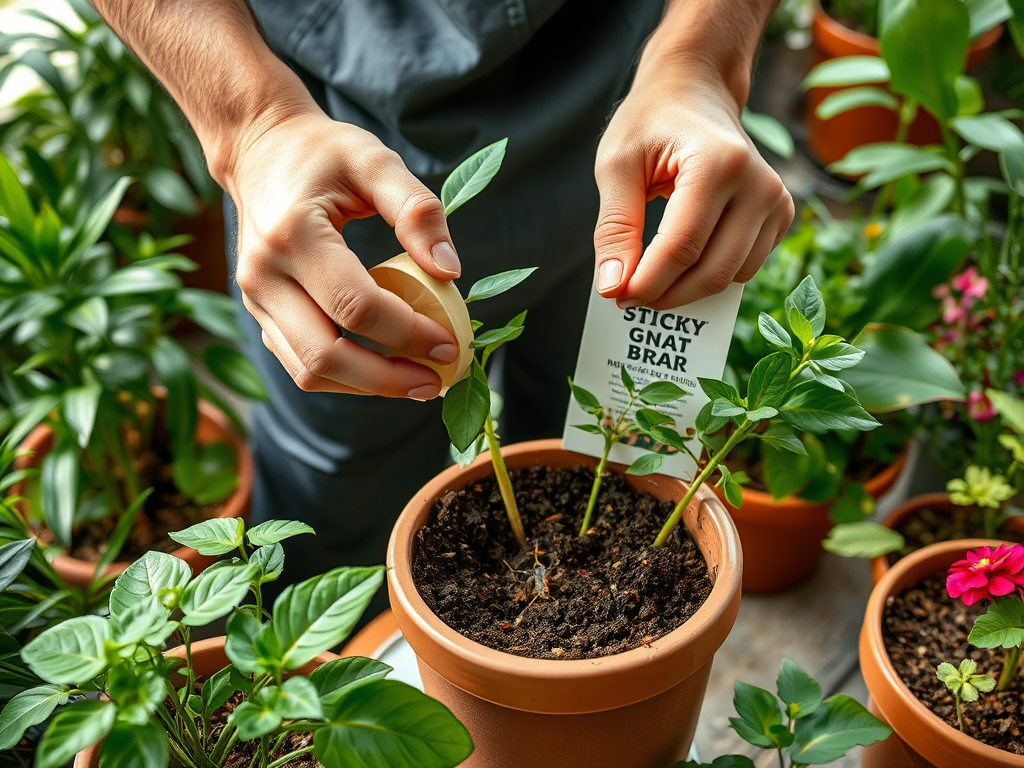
x,y
718,36
211,58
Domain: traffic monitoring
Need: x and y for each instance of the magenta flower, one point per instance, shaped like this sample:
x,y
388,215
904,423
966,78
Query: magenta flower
x,y
952,311
970,283
979,407
987,574
1018,377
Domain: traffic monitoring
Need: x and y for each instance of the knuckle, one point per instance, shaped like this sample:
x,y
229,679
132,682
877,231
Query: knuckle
x,y
373,160
684,249
356,312
714,283
611,162
734,160
421,208
306,380
316,362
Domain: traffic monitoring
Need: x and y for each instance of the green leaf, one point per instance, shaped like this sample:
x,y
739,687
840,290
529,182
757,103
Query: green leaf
x,y
270,561
658,392
494,338
925,45
217,689
215,592
887,161
136,690
79,726
733,492
254,720
465,410
806,300
155,574
591,428
134,746
330,678
317,614
1001,626
273,531
58,477
758,711
175,371
863,539
584,398
15,205
171,191
91,316
986,14
838,357
996,133
726,761
14,556
136,280
138,622
707,423
768,131
647,464
667,436
627,380
233,369
833,729
26,709
96,223
80,406
214,312
719,390
848,70
812,407
648,417
724,409
762,413
1010,408
899,370
243,631
799,691
295,699
494,285
216,536
784,442
388,724
854,98
471,176
69,652
769,380
773,332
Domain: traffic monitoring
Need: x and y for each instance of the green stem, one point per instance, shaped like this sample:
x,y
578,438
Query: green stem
x,y
598,474
1010,666
953,153
504,483
290,756
907,113
959,713
712,465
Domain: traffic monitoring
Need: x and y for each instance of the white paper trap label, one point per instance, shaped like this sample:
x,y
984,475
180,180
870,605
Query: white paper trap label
x,y
677,345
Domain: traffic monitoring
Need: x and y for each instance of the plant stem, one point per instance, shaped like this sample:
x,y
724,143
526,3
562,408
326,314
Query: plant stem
x,y
953,153
959,713
290,756
504,483
1010,666
598,474
712,465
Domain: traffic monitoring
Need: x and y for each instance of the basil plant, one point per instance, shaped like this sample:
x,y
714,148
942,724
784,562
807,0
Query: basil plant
x,y
155,711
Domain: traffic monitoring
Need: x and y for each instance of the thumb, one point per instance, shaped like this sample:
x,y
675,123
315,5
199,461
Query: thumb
x,y
416,215
618,237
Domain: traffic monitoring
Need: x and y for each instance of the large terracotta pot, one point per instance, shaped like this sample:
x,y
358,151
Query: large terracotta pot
x,y
208,657
637,708
903,513
213,426
782,539
832,139
921,738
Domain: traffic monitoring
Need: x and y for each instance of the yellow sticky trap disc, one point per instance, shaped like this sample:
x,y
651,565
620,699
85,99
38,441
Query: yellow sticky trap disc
x,y
438,300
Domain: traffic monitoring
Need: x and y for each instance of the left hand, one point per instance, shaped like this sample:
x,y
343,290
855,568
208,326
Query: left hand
x,y
680,137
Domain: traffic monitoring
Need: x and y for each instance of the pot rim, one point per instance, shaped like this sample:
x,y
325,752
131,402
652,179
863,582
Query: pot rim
x,y
934,739
824,24
479,669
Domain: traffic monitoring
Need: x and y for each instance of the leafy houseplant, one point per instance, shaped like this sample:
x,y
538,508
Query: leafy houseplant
x,y
84,332
806,729
98,118
154,706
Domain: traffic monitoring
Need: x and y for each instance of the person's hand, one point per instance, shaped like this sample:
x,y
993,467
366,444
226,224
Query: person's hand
x,y
296,185
727,209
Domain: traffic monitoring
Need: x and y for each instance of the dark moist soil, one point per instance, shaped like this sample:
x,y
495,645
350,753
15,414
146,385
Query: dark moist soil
x,y
561,596
930,525
924,627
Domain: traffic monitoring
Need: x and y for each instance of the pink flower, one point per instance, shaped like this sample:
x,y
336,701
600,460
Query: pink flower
x,y
987,574
979,407
941,291
970,283
952,312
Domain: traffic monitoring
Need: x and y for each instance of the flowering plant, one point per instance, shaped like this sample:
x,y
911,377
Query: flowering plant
x,y
981,488
965,684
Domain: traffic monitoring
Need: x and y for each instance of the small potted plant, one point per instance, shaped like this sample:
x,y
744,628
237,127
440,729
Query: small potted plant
x,y
860,40
940,653
268,693
804,728
611,620
84,334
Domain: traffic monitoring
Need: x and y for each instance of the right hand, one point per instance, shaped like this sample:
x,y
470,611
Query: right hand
x,y
296,185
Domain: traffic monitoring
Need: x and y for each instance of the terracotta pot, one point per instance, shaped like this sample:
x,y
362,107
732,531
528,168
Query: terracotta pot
x,y
921,738
213,426
782,539
637,708
208,657
832,139
937,501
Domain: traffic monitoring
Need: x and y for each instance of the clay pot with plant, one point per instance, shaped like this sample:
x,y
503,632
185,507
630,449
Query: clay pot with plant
x,y
265,695
84,337
940,652
845,111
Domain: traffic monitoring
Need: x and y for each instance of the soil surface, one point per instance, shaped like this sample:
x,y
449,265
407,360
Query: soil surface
x,y
924,627
561,596
930,525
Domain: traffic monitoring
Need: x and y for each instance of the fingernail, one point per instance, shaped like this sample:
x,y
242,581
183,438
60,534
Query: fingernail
x,y
628,303
609,274
444,353
426,392
446,258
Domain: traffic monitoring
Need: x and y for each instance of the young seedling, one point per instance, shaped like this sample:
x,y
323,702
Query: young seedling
x,y
470,408
964,684
647,421
792,388
807,729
